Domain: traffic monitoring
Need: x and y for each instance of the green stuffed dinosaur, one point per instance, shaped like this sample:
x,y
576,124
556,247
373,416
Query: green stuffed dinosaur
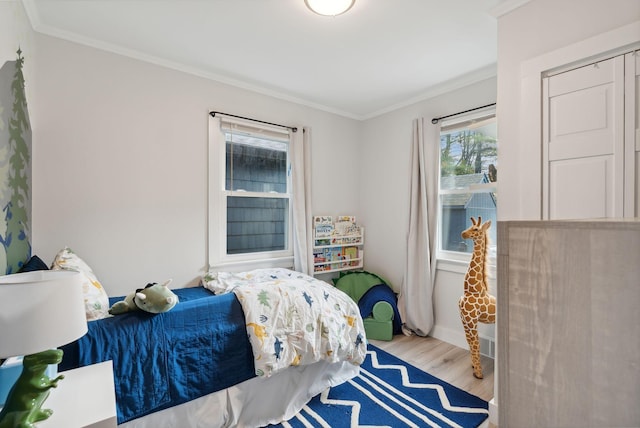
x,y
154,298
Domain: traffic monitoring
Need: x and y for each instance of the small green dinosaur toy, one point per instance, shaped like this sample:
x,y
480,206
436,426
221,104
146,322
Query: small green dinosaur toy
x,y
23,407
154,298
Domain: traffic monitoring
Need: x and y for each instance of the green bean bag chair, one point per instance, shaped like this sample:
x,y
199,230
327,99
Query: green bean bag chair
x,y
376,301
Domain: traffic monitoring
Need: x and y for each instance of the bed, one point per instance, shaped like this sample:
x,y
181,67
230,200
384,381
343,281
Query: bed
x,y
216,358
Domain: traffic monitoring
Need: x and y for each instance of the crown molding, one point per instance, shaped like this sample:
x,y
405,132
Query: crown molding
x,y
436,90
479,75
507,6
37,26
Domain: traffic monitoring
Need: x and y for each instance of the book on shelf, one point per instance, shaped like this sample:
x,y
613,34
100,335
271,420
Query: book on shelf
x,y
322,220
323,231
346,240
333,254
345,225
350,253
359,261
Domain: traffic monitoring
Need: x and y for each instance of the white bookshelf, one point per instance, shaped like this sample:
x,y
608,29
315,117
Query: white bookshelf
x,y
338,251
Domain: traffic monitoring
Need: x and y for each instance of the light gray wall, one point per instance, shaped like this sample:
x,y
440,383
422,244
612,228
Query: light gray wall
x,y
535,29
120,166
16,32
120,169
120,152
385,150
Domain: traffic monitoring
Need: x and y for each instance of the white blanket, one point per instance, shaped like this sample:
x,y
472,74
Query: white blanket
x,y
294,319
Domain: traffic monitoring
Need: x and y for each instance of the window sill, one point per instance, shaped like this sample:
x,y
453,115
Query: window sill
x,y
449,265
460,266
244,265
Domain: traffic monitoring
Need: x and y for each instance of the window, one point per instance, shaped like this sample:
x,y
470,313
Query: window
x,y
468,181
250,193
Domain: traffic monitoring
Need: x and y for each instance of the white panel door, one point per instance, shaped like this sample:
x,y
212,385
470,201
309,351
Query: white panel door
x,y
583,143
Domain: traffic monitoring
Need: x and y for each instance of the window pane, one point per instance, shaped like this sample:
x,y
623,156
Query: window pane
x,y
466,155
456,219
468,158
453,223
256,224
255,164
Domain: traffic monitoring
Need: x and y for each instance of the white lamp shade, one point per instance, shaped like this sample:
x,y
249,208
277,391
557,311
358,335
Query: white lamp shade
x,y
329,7
40,310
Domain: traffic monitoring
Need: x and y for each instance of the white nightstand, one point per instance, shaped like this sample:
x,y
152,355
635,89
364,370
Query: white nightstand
x,y
84,398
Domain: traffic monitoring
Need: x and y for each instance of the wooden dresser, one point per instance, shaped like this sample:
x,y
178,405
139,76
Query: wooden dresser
x,y
568,323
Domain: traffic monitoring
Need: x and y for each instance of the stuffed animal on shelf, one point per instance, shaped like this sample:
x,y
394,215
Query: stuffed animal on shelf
x,y
154,298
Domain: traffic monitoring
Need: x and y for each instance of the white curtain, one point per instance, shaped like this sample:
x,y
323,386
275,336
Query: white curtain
x,y
301,181
416,296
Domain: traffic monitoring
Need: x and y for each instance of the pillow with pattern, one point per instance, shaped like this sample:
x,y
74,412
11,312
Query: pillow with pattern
x,y
96,301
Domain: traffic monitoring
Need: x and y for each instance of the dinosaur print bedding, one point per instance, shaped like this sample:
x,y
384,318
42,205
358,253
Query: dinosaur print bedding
x,y
293,319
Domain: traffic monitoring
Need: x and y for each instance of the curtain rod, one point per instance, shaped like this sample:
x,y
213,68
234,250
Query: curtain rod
x,y
292,128
437,119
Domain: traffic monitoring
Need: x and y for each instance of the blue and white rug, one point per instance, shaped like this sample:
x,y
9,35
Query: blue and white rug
x,y
389,392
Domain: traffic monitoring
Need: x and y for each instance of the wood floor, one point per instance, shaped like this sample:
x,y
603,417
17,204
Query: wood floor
x,y
443,360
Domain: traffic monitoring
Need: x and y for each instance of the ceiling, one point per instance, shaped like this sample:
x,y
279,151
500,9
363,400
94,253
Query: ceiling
x,y
379,56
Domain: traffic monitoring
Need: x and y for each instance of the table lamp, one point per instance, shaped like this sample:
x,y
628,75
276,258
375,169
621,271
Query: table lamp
x,y
39,311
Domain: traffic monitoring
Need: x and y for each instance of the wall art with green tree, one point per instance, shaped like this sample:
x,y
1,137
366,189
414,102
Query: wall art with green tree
x,y
15,168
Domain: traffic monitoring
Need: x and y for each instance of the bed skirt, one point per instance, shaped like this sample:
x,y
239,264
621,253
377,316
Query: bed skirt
x,y
256,402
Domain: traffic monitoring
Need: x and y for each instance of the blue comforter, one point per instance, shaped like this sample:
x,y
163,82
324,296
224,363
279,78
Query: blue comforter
x,y
159,361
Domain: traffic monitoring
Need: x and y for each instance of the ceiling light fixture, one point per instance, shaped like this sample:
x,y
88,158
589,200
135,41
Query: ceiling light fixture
x,y
329,7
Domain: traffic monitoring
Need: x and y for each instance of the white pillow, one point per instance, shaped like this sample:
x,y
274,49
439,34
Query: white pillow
x,y
96,301
224,282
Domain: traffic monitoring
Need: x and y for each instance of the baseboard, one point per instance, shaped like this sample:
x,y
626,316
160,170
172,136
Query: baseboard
x,y
450,336
458,339
493,412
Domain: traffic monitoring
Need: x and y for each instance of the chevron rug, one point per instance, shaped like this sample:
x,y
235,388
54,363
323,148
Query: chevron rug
x,y
389,392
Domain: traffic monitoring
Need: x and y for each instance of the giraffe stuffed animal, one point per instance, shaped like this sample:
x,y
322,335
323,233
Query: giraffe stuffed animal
x,y
476,304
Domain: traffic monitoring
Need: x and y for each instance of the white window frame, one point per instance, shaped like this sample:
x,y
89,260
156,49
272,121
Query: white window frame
x,y
217,199
456,260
